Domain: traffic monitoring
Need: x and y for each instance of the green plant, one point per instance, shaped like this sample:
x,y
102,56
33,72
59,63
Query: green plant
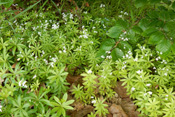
x,y
60,106
100,107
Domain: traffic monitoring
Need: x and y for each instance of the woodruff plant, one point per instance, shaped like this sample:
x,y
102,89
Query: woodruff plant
x,y
148,81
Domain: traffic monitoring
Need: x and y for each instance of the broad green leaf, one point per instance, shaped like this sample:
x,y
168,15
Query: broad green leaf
x,y
164,46
143,24
156,37
132,37
149,31
116,54
173,47
107,44
124,45
173,5
140,3
154,1
164,15
137,29
116,30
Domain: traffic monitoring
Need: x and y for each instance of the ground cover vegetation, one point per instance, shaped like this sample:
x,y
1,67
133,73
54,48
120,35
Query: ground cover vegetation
x,y
42,42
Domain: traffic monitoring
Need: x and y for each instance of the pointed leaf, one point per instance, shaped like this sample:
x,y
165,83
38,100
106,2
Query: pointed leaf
x,y
173,47
116,54
57,100
164,46
156,37
140,3
65,96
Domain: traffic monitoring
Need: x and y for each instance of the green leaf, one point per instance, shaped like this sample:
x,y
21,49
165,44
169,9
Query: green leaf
x,y
173,47
156,37
149,31
68,107
47,102
137,29
124,45
132,37
107,44
116,54
115,31
164,46
8,4
69,102
154,1
57,100
173,5
65,96
140,3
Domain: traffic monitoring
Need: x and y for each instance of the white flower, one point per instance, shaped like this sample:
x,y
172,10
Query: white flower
x,y
18,59
0,108
23,84
20,83
64,51
34,76
132,89
54,26
136,59
102,56
92,97
93,101
52,64
89,71
139,71
165,74
150,92
60,51
148,85
54,60
102,5
154,67
120,16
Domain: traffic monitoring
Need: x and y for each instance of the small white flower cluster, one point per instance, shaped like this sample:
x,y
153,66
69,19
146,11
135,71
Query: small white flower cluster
x,y
132,89
85,34
64,16
129,55
93,101
89,71
124,38
122,14
124,63
139,71
45,61
103,77
149,92
148,85
0,108
22,84
164,62
102,56
102,6
158,58
34,76
55,26
109,57
54,60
